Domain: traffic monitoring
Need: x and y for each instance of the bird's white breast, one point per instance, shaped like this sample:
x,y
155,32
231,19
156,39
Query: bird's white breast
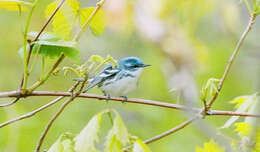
x,y
123,86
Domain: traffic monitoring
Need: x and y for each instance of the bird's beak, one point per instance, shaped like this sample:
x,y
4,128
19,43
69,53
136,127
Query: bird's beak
x,y
146,65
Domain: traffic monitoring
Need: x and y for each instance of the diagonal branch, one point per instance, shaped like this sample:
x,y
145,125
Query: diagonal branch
x,y
231,59
56,115
11,103
171,131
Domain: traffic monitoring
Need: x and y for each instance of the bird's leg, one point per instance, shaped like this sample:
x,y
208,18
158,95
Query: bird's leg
x,y
125,99
107,95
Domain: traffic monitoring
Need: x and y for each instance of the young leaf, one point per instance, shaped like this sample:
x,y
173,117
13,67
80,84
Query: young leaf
x,y
209,89
243,105
139,146
243,129
61,24
118,136
85,141
44,36
114,145
54,49
14,5
257,141
65,143
97,24
210,146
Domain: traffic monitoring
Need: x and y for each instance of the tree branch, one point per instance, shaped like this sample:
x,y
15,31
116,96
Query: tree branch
x,y
115,99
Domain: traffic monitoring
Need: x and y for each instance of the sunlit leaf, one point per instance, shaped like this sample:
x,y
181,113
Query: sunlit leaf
x,y
65,143
97,24
139,146
114,145
257,141
14,5
117,135
61,24
243,129
243,105
85,141
75,5
210,146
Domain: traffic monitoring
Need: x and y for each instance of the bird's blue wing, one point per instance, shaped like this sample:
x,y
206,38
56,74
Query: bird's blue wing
x,y
106,73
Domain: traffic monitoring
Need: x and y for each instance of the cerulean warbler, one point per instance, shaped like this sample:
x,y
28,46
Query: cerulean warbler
x,y
118,81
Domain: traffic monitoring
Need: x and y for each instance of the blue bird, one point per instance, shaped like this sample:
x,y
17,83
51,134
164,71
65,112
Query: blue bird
x,y
118,81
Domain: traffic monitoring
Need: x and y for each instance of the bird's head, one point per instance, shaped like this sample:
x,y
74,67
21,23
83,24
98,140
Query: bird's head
x,y
131,64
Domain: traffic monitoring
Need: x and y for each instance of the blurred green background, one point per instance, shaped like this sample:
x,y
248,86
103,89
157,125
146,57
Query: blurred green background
x,y
186,42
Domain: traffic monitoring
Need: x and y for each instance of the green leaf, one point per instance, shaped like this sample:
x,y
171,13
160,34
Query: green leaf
x,y
14,5
117,135
139,146
65,143
209,89
54,49
85,141
44,36
114,145
97,24
210,146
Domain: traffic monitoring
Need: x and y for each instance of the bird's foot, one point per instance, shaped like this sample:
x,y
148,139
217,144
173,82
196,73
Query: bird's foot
x,y
108,97
125,99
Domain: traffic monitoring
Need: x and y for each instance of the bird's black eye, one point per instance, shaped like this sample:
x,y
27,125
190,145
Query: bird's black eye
x,y
135,66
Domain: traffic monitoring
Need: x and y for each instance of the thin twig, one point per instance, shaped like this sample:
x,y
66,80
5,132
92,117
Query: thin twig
x,y
171,131
32,113
231,59
56,115
11,103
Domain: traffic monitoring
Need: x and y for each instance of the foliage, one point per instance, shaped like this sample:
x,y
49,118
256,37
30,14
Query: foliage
x,y
117,138
15,5
210,146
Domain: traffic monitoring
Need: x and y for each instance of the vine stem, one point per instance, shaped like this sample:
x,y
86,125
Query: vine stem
x,y
231,60
28,56
56,115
